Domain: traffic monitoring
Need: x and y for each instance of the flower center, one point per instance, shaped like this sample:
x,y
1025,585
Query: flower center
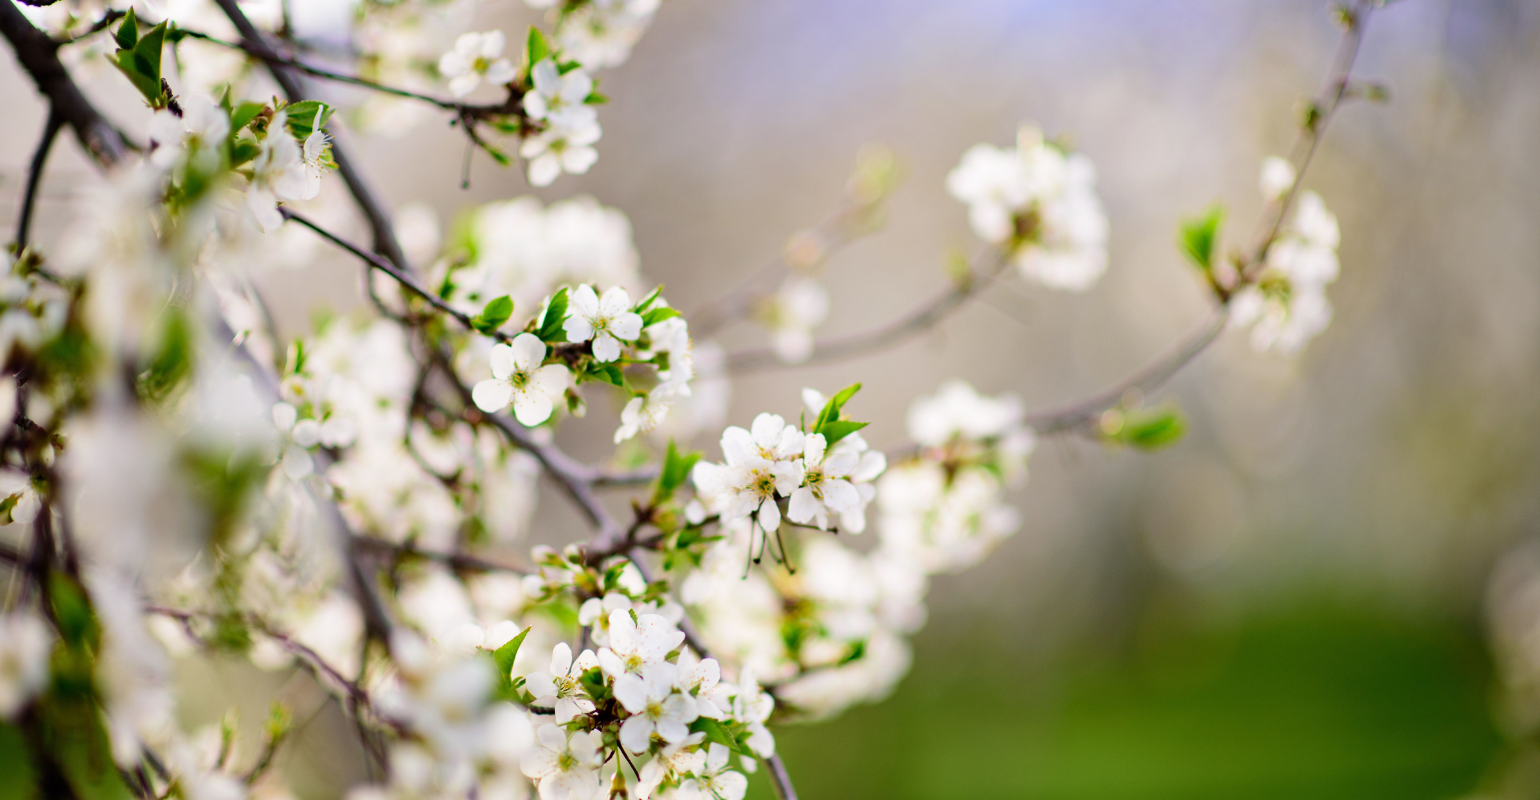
x,y
565,762
763,483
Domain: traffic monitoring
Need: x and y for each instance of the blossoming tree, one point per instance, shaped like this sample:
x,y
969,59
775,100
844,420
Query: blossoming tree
x,y
179,483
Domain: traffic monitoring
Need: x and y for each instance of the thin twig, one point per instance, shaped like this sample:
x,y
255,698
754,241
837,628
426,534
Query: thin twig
x,y
915,322
51,130
112,15
462,562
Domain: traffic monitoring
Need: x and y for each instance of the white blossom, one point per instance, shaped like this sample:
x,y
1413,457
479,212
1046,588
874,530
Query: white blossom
x,y
561,688
518,377
714,781
655,708
1041,203
761,465
559,99
566,767
476,57
607,320
556,150
637,645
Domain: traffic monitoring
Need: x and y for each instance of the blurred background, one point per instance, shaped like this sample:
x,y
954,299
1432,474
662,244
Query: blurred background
x,y
1297,599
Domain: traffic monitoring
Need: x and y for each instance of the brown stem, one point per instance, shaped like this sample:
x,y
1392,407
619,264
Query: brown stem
x,y
35,175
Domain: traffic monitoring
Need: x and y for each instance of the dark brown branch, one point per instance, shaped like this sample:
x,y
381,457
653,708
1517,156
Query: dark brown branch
x,y
39,57
51,130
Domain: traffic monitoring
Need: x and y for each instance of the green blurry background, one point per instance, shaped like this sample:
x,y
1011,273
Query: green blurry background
x,y
1293,602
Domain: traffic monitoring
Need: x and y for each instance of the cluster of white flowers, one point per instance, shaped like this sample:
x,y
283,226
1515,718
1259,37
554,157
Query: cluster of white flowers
x,y
525,250
1038,201
776,461
832,632
559,99
1286,305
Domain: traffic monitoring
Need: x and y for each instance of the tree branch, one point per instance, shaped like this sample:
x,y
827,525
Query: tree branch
x,y
39,57
889,335
51,130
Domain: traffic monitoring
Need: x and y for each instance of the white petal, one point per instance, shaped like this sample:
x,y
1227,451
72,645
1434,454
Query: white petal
x,y
552,379
531,407
769,516
615,302
492,396
636,734
606,347
504,361
803,506
626,326
561,658
528,351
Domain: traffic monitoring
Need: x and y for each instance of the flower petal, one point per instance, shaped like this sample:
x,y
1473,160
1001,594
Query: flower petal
x,y
492,396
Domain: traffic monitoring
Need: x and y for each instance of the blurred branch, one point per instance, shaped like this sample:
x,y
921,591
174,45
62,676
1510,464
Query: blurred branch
x,y
461,562
51,130
39,57
917,321
1080,414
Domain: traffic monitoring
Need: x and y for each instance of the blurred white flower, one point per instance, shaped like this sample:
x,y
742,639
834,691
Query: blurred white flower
x,y
26,642
476,57
556,150
559,98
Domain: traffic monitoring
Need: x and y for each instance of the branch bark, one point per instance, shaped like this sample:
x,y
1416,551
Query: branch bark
x,y
39,57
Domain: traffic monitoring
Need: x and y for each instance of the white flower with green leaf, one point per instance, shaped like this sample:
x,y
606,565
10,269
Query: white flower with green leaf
x,y
519,378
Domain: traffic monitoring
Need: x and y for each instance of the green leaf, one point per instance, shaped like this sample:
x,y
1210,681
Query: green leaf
x,y
302,117
76,621
242,152
607,373
595,99
838,429
1150,429
646,303
716,732
833,407
1200,236
659,314
243,114
536,48
494,315
173,361
140,60
7,506
128,33
676,468
505,655
551,319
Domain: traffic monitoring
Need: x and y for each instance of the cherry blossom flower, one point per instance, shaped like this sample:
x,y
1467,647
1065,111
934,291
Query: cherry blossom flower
x,y
476,57
279,173
606,320
637,645
675,762
559,98
565,766
556,150
300,435
1277,177
714,781
517,377
562,688
760,465
656,708
702,677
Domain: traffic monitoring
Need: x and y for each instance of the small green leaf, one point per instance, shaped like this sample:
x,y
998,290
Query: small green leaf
x,y
8,505
128,33
659,314
676,468
242,152
1150,429
536,48
595,99
242,115
494,315
607,373
505,655
646,303
302,117
551,319
716,732
833,407
1201,235
838,429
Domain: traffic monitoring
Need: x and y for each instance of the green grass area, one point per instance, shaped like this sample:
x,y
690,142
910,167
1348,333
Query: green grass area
x,y
1322,700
